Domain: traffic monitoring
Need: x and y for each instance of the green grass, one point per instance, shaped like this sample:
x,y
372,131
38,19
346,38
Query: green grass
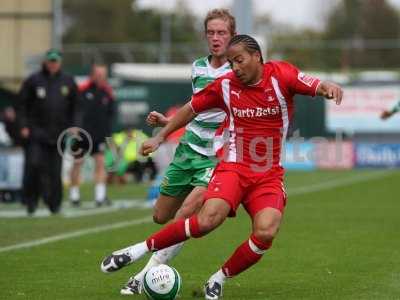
x,y
336,243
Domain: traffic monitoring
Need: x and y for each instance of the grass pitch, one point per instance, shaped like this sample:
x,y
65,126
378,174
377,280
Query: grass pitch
x,y
339,240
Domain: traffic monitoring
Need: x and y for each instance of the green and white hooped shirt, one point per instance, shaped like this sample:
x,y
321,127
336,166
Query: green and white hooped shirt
x,y
200,131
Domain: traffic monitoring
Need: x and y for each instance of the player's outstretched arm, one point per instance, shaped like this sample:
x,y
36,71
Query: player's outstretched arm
x,y
156,119
330,91
182,117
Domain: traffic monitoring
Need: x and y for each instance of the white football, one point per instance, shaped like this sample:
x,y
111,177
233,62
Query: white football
x,y
162,283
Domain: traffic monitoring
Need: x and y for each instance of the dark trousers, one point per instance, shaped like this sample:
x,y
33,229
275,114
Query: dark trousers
x,y
42,176
138,169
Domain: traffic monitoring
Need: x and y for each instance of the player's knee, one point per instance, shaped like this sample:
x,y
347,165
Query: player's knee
x,y
209,220
265,235
160,218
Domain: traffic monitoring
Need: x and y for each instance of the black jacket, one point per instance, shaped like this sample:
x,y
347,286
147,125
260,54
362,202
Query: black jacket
x,y
48,105
98,110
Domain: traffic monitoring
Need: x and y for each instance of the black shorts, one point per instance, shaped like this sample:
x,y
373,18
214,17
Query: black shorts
x,y
82,148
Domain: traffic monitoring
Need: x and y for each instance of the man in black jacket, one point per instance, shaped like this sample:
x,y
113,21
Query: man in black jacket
x,y
98,110
49,102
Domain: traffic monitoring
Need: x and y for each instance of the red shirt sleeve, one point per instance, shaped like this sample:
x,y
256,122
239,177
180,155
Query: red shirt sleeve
x,y
208,98
296,81
84,85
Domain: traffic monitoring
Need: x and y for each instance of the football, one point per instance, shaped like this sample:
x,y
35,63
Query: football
x,y
162,283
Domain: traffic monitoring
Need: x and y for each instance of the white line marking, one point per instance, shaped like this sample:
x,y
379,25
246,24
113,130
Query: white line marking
x,y
337,182
87,209
75,234
116,206
297,191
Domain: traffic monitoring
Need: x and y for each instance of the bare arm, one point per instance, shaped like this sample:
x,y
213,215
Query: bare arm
x,y
330,91
156,119
182,117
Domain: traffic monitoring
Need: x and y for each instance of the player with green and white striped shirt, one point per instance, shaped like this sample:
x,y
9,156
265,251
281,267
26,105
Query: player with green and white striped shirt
x,y
187,176
200,132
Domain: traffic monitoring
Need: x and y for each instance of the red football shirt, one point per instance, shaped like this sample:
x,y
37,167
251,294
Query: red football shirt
x,y
258,115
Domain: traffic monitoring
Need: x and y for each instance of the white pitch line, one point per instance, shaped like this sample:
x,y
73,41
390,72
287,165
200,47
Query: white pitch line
x,y
117,205
294,192
337,182
87,209
75,234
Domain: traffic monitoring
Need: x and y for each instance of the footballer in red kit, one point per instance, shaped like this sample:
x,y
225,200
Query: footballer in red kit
x,y
258,118
258,101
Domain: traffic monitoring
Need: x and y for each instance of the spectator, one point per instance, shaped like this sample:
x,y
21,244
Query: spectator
x,y
123,157
98,113
48,106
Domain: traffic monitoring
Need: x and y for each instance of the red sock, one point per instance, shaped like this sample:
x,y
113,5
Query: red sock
x,y
245,256
194,229
174,233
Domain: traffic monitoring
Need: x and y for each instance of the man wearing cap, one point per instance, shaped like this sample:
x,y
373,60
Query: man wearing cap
x,y
49,102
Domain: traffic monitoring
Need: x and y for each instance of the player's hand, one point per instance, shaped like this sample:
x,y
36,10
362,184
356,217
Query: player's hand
x,y
386,115
150,146
330,91
156,119
25,132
